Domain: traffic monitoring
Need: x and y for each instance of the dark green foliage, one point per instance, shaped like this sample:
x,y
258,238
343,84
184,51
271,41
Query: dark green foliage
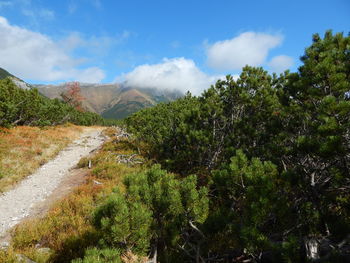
x,y
252,198
28,107
4,74
158,212
124,224
288,181
162,128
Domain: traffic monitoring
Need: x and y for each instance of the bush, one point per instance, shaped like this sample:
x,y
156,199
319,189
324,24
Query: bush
x,y
158,212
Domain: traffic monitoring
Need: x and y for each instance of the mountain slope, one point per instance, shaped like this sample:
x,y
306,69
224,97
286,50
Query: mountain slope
x,y
19,83
127,103
113,101
4,73
97,97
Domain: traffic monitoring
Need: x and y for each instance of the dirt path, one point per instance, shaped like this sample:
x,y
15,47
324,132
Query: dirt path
x,y
20,202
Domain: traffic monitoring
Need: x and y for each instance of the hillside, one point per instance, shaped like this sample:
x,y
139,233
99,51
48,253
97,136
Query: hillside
x,y
113,101
19,83
20,104
4,73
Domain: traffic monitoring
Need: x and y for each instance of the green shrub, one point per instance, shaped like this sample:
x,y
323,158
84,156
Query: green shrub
x,y
156,212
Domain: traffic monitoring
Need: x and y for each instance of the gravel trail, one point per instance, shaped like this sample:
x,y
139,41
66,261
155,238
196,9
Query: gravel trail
x,y
17,203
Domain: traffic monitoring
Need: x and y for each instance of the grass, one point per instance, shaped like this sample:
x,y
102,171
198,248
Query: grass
x,y
23,149
67,228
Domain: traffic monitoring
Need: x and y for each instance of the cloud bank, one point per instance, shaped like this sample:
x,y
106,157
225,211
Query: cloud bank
x,y
249,48
172,74
35,56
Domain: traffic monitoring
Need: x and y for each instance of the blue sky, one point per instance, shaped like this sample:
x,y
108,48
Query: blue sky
x,y
160,43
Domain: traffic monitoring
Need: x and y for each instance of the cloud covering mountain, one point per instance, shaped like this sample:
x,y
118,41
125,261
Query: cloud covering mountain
x,y
171,74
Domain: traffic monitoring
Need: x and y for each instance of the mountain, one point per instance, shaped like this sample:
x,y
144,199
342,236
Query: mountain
x,y
20,83
4,74
113,101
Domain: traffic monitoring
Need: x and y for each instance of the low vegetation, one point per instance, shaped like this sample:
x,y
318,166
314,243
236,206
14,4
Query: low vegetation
x,y
23,149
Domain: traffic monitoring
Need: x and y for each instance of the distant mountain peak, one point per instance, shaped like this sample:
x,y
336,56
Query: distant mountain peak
x,y
18,82
114,100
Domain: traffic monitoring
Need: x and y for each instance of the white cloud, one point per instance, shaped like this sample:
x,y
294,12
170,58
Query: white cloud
x,y
172,74
31,55
248,48
281,63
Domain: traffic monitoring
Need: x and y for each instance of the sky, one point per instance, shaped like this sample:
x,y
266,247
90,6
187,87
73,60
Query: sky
x,y
184,45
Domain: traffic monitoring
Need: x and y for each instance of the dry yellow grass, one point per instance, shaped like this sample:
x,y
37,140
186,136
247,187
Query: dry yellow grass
x,y
23,149
67,228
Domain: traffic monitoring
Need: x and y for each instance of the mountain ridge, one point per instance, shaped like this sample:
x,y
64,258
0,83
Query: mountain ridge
x,y
114,100
110,100
19,82
4,73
